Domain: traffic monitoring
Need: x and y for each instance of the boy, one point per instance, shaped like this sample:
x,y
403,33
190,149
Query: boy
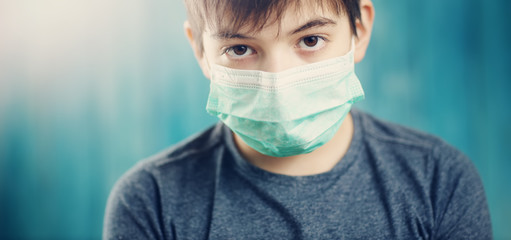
x,y
289,158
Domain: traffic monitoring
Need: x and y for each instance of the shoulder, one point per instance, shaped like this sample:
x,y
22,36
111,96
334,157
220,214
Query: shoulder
x,y
401,141
376,129
414,160
186,152
163,174
428,170
163,190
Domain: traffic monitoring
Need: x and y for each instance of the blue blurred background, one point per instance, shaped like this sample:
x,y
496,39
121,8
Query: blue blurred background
x,y
90,87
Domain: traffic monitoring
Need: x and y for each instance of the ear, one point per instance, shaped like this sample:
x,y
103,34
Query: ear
x,y
364,28
197,50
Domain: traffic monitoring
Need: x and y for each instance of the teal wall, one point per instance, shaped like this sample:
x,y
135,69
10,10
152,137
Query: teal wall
x,y
89,87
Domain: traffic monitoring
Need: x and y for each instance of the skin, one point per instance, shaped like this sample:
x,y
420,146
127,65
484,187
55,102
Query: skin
x,y
307,36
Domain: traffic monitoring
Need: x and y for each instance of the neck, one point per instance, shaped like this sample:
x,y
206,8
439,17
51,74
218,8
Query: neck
x,y
321,160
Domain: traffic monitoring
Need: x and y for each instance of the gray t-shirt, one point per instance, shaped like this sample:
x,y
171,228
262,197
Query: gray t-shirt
x,y
393,183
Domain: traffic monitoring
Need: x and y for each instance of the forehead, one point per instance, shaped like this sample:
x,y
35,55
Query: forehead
x,y
255,15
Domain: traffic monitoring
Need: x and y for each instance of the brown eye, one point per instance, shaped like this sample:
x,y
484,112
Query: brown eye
x,y
310,41
239,50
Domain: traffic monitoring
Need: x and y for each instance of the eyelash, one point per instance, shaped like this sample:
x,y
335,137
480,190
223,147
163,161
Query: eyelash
x,y
231,48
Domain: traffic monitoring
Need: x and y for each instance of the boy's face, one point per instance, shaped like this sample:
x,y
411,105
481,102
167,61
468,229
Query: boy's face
x,y
307,35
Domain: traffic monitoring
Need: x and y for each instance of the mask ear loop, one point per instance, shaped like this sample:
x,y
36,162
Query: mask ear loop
x,y
352,48
210,70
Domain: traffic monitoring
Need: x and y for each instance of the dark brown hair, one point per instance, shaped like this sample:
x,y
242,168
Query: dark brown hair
x,y
255,14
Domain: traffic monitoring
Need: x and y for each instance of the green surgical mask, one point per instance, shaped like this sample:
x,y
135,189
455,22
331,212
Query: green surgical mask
x,y
286,113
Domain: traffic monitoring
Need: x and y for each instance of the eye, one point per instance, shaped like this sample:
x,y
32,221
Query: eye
x,y
239,51
310,43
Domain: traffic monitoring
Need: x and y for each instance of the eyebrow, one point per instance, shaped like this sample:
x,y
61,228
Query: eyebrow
x,y
319,22
230,35
312,24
